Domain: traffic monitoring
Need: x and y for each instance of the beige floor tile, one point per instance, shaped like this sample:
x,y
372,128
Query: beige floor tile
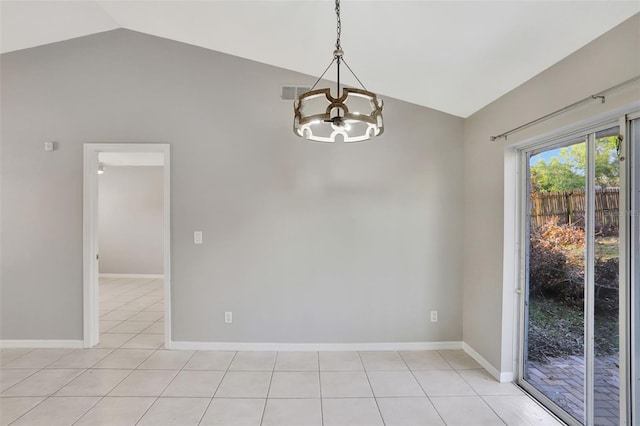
x,y
394,383
43,383
155,328
443,383
117,315
521,410
147,316
345,384
382,360
253,361
94,383
460,410
130,327
408,412
244,384
10,377
109,305
234,412
210,360
106,325
127,359
109,340
57,411
157,307
425,360
297,361
351,412
134,308
141,303
484,384
13,408
145,341
166,360
459,360
82,358
292,412
144,383
175,412
116,412
38,358
340,361
10,354
194,384
290,384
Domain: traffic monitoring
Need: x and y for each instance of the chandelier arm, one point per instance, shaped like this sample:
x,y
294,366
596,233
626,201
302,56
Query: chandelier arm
x,y
353,73
320,78
338,85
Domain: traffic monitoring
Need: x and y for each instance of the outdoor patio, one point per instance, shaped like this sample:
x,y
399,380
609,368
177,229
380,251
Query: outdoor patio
x,y
562,380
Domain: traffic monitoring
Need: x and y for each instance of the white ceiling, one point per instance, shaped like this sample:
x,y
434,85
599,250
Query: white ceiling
x,y
453,56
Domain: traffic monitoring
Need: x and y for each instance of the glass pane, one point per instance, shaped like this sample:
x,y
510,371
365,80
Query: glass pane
x,y
554,357
606,324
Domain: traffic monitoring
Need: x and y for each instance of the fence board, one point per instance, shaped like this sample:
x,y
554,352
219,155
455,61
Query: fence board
x,y
569,207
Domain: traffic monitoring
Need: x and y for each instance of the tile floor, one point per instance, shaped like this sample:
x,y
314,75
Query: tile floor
x,y
129,380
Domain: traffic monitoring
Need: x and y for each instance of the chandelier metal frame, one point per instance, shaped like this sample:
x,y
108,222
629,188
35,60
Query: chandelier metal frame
x,y
320,121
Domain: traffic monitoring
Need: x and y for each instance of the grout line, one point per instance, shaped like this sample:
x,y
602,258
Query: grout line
x,y
366,373
491,408
47,397
102,397
412,374
218,387
19,356
266,400
420,384
225,373
115,289
320,383
166,386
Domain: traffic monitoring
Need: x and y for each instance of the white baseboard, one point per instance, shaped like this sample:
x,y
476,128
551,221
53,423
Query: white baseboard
x,y
243,346
131,275
41,343
502,377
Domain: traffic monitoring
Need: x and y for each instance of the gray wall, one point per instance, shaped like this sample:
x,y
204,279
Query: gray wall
x,y
131,221
303,242
607,61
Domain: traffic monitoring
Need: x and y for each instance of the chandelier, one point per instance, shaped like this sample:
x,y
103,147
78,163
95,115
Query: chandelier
x,y
356,114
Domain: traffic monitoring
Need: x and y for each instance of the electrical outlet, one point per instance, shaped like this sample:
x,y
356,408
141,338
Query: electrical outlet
x,y
434,316
228,317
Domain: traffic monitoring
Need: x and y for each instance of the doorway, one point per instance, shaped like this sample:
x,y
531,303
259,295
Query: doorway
x,y
573,355
126,205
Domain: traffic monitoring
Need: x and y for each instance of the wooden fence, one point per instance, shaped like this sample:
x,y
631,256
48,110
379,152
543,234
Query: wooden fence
x,y
569,207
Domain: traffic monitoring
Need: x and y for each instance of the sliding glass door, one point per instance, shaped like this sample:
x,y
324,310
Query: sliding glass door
x,y
571,340
634,266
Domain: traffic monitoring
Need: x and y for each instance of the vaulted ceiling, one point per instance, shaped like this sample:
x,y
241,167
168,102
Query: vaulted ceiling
x,y
453,56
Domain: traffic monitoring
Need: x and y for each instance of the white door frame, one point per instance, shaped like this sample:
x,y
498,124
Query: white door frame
x,y
516,202
91,311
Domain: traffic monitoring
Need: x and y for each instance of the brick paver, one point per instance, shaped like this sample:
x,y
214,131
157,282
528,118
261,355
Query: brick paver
x,y
562,380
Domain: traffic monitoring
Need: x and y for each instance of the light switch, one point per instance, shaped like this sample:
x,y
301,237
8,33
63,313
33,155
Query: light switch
x,y
49,146
197,237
